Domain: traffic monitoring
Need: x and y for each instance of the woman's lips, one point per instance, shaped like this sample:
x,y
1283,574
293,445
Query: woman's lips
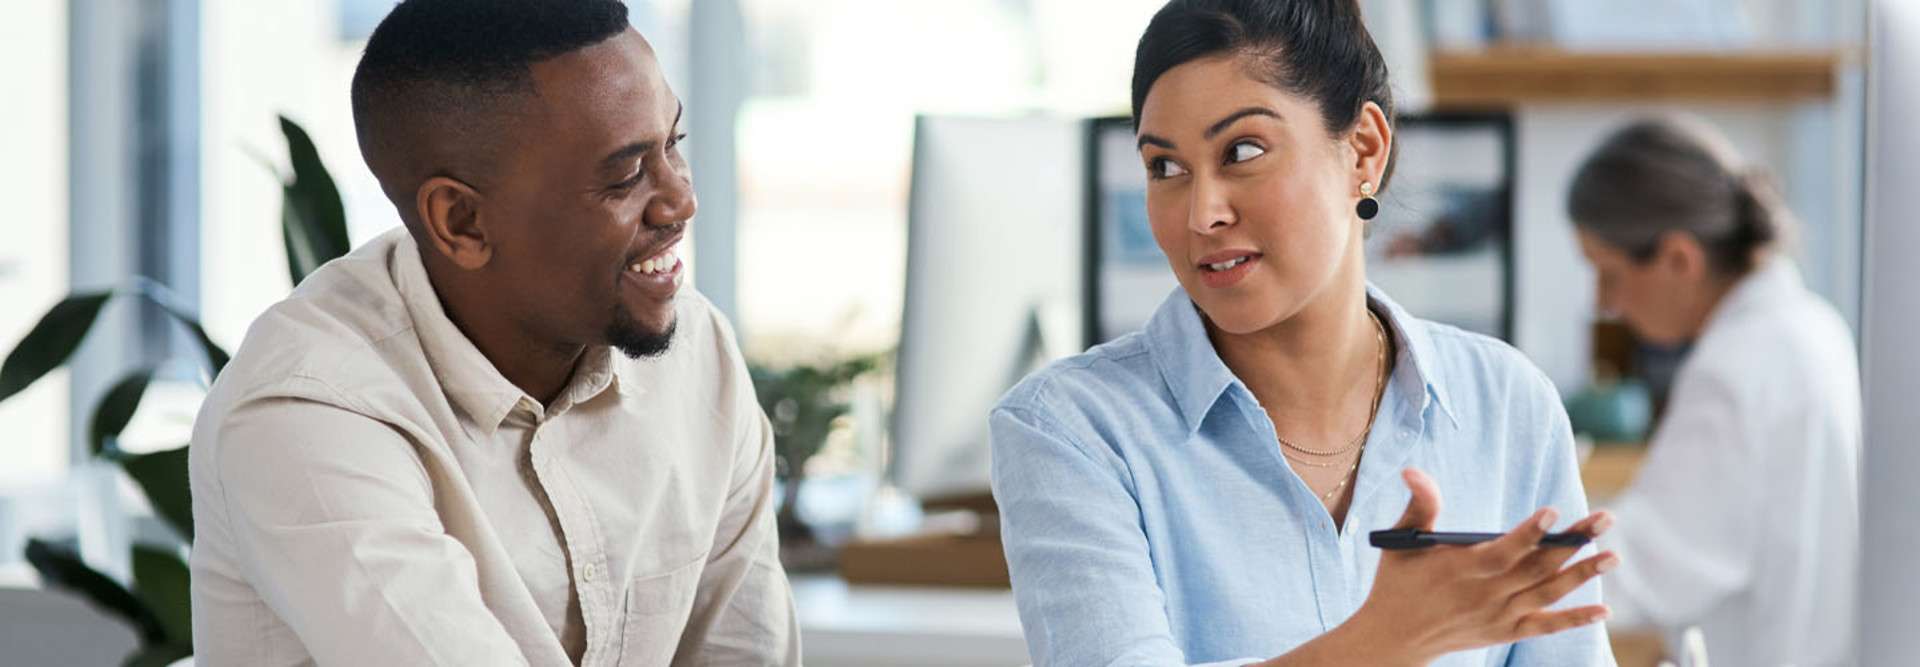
x,y
1221,270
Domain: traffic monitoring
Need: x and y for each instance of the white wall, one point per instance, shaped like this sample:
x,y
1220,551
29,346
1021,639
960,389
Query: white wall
x,y
260,59
33,224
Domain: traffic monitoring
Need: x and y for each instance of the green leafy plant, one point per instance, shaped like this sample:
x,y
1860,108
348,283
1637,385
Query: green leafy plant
x,y
803,402
314,223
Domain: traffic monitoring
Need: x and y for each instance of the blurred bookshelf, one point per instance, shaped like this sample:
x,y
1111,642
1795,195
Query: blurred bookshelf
x,y
1501,78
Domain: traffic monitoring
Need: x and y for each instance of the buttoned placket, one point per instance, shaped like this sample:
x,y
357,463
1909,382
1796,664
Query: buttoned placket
x,y
1332,554
1325,558
580,532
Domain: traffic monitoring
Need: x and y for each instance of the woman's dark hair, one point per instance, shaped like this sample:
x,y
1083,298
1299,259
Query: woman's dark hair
x,y
1317,49
1672,174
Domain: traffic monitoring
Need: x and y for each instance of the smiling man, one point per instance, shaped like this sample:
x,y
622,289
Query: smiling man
x,y
431,453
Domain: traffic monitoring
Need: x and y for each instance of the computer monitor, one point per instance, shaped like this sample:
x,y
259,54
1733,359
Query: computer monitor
x,y
993,285
1442,245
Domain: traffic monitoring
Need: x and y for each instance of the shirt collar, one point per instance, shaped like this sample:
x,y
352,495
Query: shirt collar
x,y
1414,366
1198,378
1777,279
470,380
1194,372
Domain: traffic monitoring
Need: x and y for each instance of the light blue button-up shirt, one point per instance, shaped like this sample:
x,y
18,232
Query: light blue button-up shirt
x,y
1150,519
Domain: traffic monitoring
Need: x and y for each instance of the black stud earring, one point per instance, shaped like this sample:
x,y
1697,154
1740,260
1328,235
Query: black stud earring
x,y
1369,207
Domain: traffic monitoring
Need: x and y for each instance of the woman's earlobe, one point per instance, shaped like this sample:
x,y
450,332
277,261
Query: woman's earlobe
x,y
1368,206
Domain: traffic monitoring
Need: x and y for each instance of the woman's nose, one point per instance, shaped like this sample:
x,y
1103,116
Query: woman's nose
x,y
1211,209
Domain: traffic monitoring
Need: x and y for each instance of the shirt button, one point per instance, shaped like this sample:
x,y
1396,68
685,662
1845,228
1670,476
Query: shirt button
x,y
589,572
1406,433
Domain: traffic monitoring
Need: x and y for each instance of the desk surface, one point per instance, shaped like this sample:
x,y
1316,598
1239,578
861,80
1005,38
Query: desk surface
x,y
864,625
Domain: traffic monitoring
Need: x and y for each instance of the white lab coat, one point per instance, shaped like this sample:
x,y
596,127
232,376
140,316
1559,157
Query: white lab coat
x,y
1744,518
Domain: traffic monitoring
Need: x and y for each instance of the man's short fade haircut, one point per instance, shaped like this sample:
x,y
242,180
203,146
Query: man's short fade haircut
x,y
439,78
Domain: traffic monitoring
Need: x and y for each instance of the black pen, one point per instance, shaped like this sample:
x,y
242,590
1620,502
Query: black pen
x,y
1408,538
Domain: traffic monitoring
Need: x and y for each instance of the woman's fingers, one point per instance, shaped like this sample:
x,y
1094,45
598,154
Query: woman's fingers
x,y
1537,567
1559,585
1502,554
1519,550
1594,525
1548,622
1424,506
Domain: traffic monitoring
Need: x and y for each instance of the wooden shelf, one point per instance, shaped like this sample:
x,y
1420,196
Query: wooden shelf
x,y
1502,78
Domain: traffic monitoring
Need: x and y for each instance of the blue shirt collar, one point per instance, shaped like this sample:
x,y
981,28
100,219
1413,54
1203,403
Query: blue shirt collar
x,y
1197,377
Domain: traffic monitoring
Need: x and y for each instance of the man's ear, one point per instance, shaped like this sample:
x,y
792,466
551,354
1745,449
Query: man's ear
x,y
1682,255
450,221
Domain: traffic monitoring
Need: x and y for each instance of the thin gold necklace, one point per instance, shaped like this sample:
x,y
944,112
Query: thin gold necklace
x,y
1379,382
1351,473
1373,411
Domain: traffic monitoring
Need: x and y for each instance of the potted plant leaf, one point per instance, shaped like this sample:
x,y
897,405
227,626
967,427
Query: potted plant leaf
x,y
313,221
804,403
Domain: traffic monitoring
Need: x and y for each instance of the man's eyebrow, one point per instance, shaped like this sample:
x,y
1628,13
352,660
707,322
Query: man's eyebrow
x,y
1224,123
624,154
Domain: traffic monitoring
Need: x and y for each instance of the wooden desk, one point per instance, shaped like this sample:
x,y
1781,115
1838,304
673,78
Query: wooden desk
x,y
1607,472
1610,469
1634,649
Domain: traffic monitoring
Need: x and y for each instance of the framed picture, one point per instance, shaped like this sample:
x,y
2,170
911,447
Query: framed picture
x,y
1127,276
1443,243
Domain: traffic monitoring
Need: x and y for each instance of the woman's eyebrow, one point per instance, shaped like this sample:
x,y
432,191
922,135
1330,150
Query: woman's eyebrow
x,y
1212,130
1224,123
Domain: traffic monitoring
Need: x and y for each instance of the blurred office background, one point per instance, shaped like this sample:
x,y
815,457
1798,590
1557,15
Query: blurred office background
x,y
929,198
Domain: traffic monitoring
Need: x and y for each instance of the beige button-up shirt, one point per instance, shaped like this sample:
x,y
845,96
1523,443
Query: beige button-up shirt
x,y
369,490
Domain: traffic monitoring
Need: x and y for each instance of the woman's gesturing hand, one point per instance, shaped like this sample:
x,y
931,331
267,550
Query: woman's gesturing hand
x,y
1438,600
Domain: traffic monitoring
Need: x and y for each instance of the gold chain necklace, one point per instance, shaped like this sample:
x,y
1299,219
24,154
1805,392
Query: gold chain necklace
x,y
1351,473
1373,411
1379,382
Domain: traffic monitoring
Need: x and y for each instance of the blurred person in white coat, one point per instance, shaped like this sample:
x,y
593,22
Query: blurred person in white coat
x,y
1743,519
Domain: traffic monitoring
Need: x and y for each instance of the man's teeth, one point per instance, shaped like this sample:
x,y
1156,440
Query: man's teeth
x,y
1222,266
663,262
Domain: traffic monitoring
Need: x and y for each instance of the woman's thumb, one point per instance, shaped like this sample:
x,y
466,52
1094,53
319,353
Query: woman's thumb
x,y
1424,507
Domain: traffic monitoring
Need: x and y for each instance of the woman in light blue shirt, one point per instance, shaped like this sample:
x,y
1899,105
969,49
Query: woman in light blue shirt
x,y
1201,491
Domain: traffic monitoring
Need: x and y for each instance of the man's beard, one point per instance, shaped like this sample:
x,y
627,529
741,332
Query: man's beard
x,y
634,340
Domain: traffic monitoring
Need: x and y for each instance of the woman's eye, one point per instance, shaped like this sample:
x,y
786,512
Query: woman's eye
x,y
1165,168
1243,151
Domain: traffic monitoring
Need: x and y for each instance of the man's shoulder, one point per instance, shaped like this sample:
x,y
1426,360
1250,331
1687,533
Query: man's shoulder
x,y
340,337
